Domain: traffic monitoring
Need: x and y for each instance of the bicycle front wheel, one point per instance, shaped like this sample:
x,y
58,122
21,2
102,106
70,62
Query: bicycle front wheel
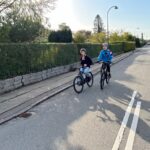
x,y
102,81
78,84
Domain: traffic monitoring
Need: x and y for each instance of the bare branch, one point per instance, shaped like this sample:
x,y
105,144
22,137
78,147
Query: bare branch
x,y
7,5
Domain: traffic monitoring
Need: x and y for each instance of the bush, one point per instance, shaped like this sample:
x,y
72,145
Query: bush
x,y
122,47
19,59
64,36
116,48
25,30
129,46
81,36
138,44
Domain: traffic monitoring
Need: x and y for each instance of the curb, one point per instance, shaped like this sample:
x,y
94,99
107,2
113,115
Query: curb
x,y
24,107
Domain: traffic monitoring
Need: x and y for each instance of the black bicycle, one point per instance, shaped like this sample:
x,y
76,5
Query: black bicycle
x,y
104,75
81,79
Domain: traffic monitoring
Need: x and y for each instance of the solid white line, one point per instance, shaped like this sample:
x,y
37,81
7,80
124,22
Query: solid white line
x,y
124,123
132,133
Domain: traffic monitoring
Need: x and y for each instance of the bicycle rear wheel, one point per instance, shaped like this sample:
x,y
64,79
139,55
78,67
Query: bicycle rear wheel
x,y
78,84
102,81
91,80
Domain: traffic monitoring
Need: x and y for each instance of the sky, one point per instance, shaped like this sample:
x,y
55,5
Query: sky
x,y
132,16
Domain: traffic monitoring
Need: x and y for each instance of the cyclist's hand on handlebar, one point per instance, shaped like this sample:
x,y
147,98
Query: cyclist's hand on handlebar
x,y
85,65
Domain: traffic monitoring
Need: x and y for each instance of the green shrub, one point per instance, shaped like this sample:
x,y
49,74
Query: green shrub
x,y
116,48
19,59
129,46
122,47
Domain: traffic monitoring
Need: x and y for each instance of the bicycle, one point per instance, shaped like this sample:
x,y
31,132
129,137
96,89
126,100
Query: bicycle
x,y
81,79
104,74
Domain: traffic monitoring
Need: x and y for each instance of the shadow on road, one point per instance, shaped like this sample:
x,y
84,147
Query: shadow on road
x,y
59,115
75,106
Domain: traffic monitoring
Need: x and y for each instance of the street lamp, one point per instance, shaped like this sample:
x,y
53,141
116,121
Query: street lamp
x,y
136,34
115,7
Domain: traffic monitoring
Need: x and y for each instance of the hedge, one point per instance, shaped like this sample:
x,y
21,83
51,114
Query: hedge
x,y
19,59
128,46
122,47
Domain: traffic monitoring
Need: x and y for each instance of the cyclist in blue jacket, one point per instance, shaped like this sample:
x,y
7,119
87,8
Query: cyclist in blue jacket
x,y
106,56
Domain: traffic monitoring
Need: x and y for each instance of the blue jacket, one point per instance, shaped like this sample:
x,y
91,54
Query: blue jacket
x,y
105,56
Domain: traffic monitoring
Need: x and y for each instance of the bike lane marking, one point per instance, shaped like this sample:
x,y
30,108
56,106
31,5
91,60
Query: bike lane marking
x,y
132,132
124,123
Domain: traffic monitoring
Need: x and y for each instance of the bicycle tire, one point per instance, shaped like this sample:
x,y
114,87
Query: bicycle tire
x,y
102,81
79,83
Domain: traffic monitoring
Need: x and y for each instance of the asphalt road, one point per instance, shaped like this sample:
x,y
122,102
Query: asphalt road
x,y
91,120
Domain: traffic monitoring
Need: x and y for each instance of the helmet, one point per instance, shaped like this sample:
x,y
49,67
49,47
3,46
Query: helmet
x,y
83,49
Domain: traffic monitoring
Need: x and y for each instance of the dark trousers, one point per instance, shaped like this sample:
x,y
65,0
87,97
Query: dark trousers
x,y
108,68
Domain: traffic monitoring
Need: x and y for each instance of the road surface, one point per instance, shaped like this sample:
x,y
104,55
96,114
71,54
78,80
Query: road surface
x,y
93,120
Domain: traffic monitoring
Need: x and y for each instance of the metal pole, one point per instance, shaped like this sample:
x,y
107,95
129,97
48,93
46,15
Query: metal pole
x,y
108,21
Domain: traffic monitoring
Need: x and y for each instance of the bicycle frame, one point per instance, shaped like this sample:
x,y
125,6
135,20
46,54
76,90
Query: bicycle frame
x,y
83,75
104,67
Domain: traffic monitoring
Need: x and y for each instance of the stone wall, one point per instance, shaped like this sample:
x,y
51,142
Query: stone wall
x,y
19,81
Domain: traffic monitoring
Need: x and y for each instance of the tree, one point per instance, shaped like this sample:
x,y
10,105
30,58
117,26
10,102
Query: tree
x,y
12,10
43,34
53,37
63,35
14,26
82,36
4,33
98,38
98,24
33,8
128,36
115,37
79,38
137,42
123,36
25,30
5,27
63,27
6,4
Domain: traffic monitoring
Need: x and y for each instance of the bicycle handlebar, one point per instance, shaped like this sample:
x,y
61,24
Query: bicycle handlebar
x,y
100,62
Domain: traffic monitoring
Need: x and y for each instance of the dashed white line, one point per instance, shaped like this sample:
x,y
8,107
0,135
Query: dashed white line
x,y
132,133
124,123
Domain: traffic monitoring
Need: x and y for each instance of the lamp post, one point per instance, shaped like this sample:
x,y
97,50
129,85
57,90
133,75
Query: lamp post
x,y
136,35
115,7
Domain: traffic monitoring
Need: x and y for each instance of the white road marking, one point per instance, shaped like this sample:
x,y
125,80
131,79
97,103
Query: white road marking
x,y
132,133
124,123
